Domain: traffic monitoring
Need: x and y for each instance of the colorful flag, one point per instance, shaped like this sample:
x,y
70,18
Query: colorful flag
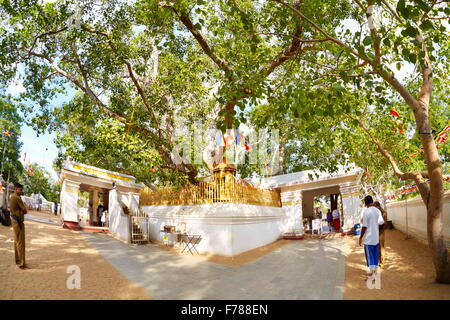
x,y
7,133
220,140
394,113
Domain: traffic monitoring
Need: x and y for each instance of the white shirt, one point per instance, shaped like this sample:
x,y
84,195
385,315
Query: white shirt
x,y
335,214
372,218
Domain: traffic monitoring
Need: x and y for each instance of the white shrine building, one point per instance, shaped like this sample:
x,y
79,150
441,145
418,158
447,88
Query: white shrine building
x,y
227,228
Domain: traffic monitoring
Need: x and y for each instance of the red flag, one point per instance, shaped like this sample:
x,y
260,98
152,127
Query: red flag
x,y
394,113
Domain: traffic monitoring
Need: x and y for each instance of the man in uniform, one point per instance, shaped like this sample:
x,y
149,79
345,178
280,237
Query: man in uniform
x,y
382,247
18,210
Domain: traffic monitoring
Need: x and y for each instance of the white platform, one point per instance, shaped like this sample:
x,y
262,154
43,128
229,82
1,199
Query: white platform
x,y
226,229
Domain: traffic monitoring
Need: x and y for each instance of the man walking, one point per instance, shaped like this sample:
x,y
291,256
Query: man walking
x,y
381,245
372,220
18,210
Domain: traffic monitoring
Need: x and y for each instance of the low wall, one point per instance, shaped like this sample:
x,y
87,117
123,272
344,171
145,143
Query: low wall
x,y
417,217
226,228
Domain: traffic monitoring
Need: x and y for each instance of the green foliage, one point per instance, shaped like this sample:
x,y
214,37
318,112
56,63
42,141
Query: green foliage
x,y
38,180
192,59
10,121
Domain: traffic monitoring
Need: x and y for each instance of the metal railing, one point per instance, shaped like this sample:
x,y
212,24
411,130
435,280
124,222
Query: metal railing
x,y
218,191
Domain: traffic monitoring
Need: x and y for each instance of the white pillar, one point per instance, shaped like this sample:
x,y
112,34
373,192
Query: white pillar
x,y
351,205
119,223
291,201
69,202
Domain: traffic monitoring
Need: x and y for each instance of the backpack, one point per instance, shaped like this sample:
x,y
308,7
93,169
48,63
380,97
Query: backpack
x,y
5,217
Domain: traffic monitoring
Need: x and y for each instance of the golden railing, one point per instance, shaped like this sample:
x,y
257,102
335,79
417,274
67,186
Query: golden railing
x,y
221,190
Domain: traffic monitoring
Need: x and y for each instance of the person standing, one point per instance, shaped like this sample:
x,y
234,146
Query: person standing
x,y
18,210
336,220
372,221
330,219
382,237
99,215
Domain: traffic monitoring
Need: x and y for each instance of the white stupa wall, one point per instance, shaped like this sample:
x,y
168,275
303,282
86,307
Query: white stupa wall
x,y
226,229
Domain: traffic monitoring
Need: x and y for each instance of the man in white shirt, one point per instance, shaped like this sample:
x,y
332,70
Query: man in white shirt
x,y
372,221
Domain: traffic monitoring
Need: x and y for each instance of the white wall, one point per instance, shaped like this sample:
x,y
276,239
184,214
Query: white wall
x,y
294,218
352,212
226,229
119,223
417,217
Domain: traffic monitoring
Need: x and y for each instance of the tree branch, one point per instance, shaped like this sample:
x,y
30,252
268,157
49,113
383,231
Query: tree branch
x,y
184,18
132,76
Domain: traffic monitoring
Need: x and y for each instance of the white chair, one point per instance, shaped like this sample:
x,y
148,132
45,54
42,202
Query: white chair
x,y
317,225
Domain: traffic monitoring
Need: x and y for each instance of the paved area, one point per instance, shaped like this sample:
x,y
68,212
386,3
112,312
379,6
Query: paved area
x,y
311,269
37,219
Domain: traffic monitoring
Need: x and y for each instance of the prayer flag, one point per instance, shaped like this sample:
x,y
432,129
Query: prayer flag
x,y
394,113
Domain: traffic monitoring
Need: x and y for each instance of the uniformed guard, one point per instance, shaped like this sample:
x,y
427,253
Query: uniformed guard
x,y
18,210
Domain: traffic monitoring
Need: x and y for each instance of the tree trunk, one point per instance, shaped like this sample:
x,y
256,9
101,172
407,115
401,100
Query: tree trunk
x,y
434,200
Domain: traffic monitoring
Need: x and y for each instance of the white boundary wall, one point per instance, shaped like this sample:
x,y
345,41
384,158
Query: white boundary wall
x,y
417,217
226,228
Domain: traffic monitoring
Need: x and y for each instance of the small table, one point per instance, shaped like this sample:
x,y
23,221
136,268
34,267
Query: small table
x,y
191,242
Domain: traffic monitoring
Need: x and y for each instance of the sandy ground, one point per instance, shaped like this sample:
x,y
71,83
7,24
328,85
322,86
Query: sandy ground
x,y
408,274
49,251
235,261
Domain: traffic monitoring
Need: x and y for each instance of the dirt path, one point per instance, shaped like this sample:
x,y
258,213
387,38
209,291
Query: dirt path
x,y
409,272
49,251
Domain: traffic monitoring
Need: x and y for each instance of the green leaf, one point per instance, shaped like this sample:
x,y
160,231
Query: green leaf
x,y
367,40
409,31
426,25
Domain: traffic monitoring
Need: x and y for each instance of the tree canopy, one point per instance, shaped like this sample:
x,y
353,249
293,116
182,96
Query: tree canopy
x,y
344,81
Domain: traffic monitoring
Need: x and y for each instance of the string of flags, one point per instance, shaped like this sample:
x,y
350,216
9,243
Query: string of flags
x,y
394,195
440,138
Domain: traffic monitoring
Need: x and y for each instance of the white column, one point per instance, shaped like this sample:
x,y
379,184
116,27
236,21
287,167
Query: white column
x,y
69,200
291,201
119,223
351,205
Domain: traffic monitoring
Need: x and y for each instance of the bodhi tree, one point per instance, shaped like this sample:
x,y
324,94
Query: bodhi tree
x,y
390,34
139,64
112,56
246,51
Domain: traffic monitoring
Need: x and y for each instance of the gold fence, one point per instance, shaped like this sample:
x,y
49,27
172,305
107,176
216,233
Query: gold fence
x,y
221,190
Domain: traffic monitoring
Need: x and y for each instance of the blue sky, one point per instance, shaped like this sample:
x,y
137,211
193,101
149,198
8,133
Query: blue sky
x,y
39,149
